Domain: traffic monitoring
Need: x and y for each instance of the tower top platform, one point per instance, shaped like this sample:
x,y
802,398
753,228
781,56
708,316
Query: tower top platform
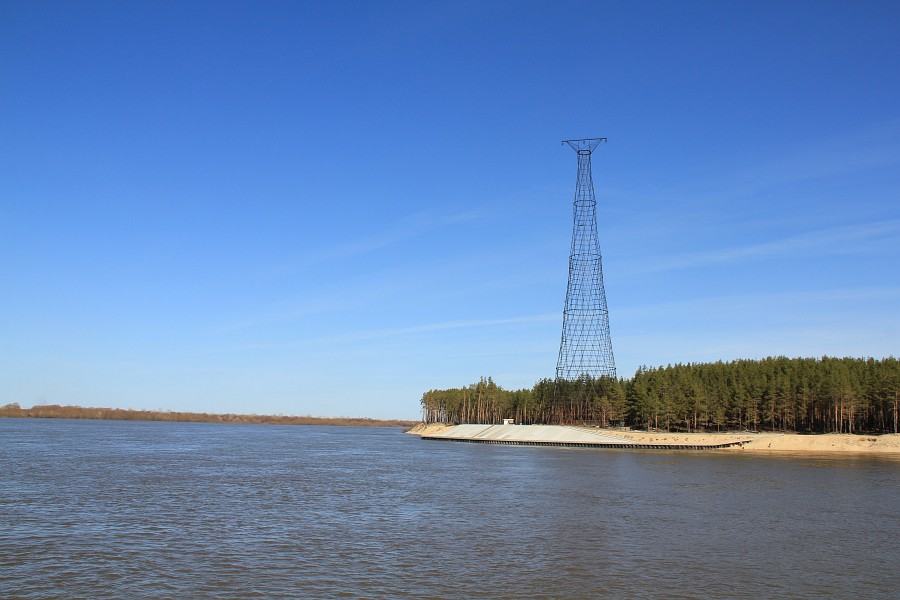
x,y
585,145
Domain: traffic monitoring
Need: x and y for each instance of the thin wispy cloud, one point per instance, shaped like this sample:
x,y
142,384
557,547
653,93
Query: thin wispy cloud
x,y
739,302
390,332
407,228
446,325
864,338
836,239
737,193
874,146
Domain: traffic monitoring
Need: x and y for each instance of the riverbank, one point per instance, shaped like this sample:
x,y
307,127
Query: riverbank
x,y
742,442
781,442
52,411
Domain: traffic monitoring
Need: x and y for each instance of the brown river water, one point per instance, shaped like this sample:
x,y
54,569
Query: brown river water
x,y
93,509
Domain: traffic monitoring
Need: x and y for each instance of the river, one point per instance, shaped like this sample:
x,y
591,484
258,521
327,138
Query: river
x,y
140,509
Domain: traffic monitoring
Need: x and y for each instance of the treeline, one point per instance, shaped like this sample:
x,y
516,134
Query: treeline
x,y
53,411
845,395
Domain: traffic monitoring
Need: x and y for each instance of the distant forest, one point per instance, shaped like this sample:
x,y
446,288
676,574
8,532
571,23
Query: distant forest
x,y
808,395
53,411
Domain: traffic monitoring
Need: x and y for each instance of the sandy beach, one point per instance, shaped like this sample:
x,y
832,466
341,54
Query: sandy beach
x,y
778,442
772,442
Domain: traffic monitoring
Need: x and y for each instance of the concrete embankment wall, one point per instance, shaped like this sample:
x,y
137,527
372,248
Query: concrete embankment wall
x,y
549,435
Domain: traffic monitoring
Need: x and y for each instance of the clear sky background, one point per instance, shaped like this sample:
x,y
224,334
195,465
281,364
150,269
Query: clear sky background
x,y
329,208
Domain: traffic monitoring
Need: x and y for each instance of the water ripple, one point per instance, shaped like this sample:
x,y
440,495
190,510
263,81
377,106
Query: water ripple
x,y
169,510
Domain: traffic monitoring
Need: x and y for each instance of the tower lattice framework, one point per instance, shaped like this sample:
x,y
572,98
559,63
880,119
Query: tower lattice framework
x,y
585,347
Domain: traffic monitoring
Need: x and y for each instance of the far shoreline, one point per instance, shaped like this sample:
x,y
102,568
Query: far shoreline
x,y
53,411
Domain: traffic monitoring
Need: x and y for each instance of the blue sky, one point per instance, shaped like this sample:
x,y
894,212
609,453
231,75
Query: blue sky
x,y
329,208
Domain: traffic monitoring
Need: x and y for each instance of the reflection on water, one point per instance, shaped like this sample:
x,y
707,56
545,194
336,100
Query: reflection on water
x,y
130,509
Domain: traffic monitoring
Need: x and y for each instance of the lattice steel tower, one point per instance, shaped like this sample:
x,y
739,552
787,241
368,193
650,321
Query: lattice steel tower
x,y
585,348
